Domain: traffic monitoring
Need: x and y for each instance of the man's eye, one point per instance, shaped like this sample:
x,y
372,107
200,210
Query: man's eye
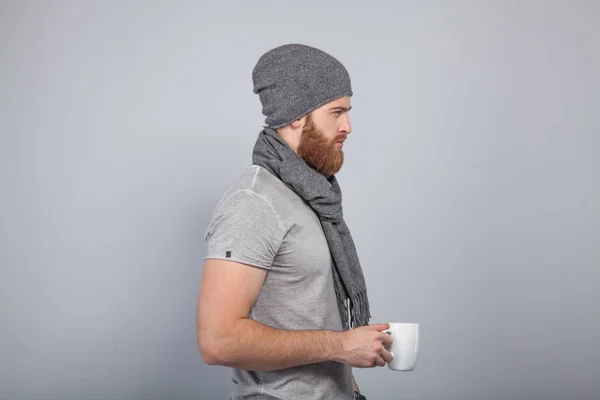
x,y
337,112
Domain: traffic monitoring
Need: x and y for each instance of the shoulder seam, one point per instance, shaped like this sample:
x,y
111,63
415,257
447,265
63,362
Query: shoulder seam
x,y
254,178
266,201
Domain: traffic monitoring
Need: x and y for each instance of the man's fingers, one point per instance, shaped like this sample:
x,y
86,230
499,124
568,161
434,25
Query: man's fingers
x,y
386,339
380,362
387,356
380,327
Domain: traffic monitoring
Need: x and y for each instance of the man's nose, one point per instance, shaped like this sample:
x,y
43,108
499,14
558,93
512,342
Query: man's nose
x,y
346,127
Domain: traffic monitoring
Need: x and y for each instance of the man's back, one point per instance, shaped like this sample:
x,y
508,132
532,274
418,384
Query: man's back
x,y
263,223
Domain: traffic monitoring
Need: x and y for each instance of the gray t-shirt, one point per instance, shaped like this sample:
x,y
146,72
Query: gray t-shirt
x,y
262,222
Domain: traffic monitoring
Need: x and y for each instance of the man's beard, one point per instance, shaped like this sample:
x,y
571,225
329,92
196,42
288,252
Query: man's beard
x,y
320,152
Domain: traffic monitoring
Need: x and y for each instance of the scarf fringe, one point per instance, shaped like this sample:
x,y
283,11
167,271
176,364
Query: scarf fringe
x,y
358,315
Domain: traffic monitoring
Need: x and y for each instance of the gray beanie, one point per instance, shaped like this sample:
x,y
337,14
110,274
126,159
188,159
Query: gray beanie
x,y
292,80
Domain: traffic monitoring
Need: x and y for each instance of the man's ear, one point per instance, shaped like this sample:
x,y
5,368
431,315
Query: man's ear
x,y
299,123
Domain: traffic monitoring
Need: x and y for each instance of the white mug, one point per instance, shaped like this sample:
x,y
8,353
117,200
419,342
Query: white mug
x,y
405,346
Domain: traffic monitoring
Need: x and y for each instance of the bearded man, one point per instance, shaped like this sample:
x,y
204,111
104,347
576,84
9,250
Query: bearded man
x,y
283,300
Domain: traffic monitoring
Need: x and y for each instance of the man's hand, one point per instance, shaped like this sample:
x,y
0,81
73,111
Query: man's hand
x,y
364,347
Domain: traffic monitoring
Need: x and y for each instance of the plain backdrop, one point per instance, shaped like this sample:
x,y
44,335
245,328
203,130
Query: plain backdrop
x,y
471,186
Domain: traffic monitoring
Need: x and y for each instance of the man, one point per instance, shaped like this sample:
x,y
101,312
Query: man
x,y
283,299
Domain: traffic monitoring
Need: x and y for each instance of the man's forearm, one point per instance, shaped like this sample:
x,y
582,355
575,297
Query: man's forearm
x,y
250,345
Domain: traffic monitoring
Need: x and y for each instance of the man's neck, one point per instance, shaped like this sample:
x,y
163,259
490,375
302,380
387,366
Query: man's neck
x,y
290,136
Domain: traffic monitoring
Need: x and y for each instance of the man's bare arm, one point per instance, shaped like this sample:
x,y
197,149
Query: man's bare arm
x,y
226,336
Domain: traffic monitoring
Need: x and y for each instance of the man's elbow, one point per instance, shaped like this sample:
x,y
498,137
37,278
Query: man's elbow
x,y
210,349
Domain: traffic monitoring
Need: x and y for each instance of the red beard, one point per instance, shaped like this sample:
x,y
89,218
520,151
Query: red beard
x,y
320,152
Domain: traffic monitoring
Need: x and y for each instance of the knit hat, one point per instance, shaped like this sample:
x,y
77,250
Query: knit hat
x,y
294,79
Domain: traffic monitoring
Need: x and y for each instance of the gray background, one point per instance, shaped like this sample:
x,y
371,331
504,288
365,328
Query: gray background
x,y
471,187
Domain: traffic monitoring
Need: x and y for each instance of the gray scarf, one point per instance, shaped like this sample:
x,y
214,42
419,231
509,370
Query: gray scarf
x,y
324,196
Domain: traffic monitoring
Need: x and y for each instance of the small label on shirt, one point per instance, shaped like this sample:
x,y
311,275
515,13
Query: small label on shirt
x,y
228,254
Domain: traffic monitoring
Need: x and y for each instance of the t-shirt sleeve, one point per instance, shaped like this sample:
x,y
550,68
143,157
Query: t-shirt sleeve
x,y
246,229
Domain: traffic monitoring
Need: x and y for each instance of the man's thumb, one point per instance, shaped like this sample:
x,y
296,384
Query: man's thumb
x,y
381,327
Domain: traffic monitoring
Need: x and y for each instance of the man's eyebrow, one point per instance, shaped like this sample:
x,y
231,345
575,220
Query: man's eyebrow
x,y
341,108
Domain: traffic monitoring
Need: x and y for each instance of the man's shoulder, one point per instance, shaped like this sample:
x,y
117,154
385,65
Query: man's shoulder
x,y
255,182
244,181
